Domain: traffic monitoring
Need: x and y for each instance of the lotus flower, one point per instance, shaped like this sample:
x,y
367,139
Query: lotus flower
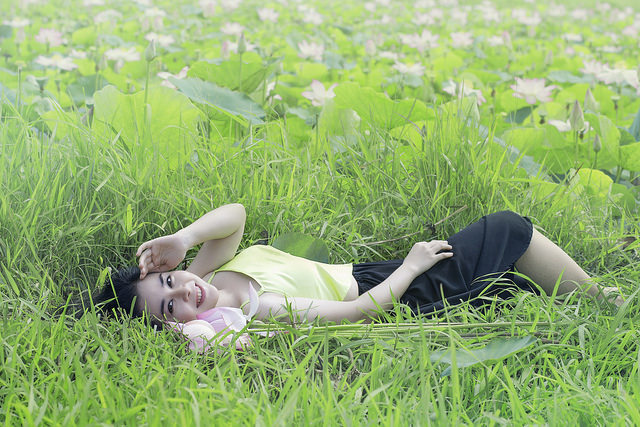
x,y
619,76
232,29
230,5
421,42
165,76
565,126
111,16
208,7
532,90
162,40
463,90
461,40
56,61
49,37
413,69
310,50
266,14
218,325
318,94
153,18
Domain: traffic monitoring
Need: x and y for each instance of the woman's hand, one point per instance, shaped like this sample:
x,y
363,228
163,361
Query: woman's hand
x,y
161,254
424,255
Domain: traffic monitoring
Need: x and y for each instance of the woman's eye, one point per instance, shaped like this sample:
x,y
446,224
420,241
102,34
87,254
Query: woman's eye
x,y
170,306
170,282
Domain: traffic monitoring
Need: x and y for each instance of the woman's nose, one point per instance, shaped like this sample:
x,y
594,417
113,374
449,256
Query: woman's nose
x,y
183,292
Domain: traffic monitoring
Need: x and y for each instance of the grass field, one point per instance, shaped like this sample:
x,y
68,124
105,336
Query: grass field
x,y
77,203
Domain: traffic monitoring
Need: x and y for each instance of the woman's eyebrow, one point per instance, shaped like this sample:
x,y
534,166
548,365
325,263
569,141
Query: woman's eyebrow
x,y
162,302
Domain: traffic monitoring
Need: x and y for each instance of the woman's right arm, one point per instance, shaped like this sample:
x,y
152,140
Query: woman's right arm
x,y
422,257
220,230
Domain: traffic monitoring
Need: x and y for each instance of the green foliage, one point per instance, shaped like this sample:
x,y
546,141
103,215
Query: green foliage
x,y
377,109
233,75
392,159
235,105
162,130
496,350
303,245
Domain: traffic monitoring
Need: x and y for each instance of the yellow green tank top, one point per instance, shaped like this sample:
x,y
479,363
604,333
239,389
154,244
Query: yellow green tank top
x,y
290,275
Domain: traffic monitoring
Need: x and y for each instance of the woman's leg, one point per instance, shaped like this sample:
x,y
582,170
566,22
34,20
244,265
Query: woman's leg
x,y
547,264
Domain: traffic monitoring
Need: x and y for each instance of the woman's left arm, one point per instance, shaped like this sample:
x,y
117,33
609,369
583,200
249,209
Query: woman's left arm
x,y
421,258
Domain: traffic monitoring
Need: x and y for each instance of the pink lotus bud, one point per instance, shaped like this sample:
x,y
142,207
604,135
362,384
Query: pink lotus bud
x,y
597,144
590,103
576,117
370,47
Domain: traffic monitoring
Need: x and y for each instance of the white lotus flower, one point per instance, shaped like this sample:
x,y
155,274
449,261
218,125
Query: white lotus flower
x,y
370,47
162,40
424,4
233,46
532,90
122,55
165,76
17,22
78,54
413,69
495,41
232,29
462,90
266,14
619,76
459,17
426,40
556,10
230,5
579,14
565,126
423,19
310,50
49,37
318,95
57,61
111,16
461,39
592,67
208,7
386,54
153,18
573,38
310,15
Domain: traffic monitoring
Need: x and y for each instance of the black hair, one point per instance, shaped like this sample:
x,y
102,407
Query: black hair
x,y
120,292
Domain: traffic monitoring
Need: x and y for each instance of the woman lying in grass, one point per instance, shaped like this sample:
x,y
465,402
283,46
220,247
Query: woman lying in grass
x,y
481,259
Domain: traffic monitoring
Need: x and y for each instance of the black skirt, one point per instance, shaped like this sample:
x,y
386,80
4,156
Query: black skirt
x,y
484,254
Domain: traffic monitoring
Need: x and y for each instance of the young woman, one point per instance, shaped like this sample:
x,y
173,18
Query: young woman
x,y
487,257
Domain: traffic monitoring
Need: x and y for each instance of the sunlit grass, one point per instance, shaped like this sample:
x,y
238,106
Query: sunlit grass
x,y
73,207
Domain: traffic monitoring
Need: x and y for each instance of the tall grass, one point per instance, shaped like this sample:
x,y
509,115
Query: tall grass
x,y
72,207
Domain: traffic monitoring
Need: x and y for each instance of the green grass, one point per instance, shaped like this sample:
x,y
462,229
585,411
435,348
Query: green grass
x,y
71,208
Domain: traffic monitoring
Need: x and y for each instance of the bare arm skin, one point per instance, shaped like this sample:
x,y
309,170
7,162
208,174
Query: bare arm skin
x,y
422,257
220,230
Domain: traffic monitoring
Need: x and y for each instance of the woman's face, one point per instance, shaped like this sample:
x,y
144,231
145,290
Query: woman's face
x,y
176,295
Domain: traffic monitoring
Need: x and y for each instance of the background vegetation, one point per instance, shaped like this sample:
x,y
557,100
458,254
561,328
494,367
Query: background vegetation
x,y
76,200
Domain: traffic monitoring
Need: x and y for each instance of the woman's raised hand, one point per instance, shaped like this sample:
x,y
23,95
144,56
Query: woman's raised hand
x,y
424,255
161,254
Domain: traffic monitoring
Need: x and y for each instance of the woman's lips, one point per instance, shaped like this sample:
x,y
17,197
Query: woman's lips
x,y
203,295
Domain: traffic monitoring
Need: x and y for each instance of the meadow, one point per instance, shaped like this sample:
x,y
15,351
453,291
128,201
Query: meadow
x,y
364,126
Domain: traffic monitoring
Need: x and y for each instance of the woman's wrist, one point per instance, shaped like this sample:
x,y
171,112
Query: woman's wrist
x,y
409,269
186,238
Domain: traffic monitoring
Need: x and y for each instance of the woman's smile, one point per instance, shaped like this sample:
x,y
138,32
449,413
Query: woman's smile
x,y
200,295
